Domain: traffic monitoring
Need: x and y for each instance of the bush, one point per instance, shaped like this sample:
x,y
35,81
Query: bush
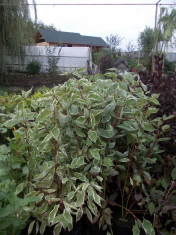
x,y
166,87
97,55
163,187
104,58
139,68
52,60
74,139
106,62
169,67
33,67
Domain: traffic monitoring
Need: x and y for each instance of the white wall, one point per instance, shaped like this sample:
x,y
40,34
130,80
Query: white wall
x,y
71,58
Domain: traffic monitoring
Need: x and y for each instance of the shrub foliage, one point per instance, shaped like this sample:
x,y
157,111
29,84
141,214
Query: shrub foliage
x,y
33,67
70,141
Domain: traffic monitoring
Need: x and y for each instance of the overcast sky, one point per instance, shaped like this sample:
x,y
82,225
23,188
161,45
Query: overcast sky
x,y
101,21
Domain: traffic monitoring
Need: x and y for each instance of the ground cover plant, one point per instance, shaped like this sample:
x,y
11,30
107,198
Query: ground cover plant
x,y
70,144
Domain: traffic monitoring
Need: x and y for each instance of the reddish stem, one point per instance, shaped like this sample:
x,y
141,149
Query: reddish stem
x,y
54,142
130,157
54,116
78,145
55,97
156,138
115,204
87,153
27,138
116,116
127,173
26,132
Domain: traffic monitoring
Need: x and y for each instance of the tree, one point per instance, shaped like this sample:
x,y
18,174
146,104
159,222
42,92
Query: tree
x,y
145,41
41,25
15,29
114,41
130,49
164,33
167,25
35,26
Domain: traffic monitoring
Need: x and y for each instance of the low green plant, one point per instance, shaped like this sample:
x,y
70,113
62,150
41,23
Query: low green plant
x,y
139,68
97,55
169,67
104,58
52,59
13,214
7,106
33,67
71,140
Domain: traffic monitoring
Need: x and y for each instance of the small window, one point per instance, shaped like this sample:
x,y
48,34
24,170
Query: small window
x,y
69,45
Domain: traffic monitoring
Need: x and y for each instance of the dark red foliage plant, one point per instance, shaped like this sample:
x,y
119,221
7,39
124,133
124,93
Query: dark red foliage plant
x,y
163,185
165,86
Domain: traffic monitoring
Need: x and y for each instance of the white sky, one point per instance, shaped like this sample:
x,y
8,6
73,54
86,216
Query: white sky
x,y
101,21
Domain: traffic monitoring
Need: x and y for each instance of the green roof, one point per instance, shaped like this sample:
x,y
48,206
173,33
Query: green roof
x,y
52,36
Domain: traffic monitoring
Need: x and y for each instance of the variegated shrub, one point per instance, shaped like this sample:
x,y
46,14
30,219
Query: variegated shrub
x,y
71,139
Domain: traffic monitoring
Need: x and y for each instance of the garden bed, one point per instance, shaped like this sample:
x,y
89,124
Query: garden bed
x,y
36,81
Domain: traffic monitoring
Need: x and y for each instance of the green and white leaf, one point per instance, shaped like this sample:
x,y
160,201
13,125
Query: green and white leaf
x,y
92,136
53,213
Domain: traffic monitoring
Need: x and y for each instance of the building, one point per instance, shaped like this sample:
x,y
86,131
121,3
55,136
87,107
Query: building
x,y
122,65
67,39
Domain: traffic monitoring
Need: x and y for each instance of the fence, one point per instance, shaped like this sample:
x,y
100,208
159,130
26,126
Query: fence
x,y
68,58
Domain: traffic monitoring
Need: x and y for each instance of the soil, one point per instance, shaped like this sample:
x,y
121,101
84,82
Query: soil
x,y
25,82
82,227
85,227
